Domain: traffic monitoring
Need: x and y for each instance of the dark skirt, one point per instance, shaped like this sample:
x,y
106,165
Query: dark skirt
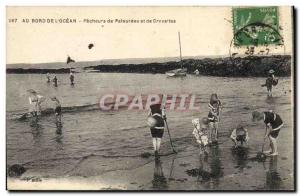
x,y
158,132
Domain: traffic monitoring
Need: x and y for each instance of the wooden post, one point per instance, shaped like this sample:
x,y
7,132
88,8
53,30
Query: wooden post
x,y
180,47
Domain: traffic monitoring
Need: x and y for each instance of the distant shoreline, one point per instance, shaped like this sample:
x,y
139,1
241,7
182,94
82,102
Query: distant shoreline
x,y
246,66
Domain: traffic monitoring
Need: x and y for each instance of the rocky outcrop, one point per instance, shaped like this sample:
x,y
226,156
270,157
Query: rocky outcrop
x,y
237,67
231,67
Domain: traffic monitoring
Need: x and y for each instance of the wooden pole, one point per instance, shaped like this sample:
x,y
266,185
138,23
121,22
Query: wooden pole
x,y
180,49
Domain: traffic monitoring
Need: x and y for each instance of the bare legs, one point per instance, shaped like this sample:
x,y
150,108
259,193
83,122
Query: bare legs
x,y
273,145
213,130
156,143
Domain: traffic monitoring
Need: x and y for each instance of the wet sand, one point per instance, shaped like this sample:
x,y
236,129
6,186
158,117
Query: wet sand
x,y
170,173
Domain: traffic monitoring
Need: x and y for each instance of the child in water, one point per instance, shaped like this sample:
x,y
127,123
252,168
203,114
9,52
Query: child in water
x,y
157,115
55,81
35,101
71,78
215,107
48,78
270,82
57,110
239,136
273,125
200,133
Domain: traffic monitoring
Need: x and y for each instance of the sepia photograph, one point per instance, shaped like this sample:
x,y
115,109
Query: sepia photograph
x,y
150,98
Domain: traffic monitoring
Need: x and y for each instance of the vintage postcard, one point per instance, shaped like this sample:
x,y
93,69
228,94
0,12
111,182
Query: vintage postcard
x,y
150,98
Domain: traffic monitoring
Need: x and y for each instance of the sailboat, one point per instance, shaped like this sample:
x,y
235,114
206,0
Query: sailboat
x,y
181,71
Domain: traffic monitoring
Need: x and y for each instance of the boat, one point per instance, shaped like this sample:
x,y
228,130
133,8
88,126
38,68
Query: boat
x,y
196,72
180,72
177,72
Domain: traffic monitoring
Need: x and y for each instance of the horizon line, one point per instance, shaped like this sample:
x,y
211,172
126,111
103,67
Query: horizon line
x,y
183,57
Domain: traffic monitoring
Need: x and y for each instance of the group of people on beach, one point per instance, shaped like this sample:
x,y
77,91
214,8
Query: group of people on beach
x,y
206,129
55,80
35,110
36,99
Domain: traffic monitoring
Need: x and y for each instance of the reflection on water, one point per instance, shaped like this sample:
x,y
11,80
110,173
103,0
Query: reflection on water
x,y
58,128
36,130
273,179
203,175
215,171
240,155
159,181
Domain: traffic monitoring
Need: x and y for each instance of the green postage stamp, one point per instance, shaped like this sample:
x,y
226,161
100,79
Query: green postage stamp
x,y
256,26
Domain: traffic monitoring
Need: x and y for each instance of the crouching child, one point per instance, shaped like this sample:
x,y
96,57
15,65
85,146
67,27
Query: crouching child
x,y
200,133
240,136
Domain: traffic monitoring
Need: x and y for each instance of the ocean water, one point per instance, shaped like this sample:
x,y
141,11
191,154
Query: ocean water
x,y
87,131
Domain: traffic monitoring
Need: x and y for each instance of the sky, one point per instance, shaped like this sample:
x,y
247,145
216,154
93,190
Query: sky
x,y
205,31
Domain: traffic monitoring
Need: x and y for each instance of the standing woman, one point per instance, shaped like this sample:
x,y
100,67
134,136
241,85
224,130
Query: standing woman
x,y
156,123
35,101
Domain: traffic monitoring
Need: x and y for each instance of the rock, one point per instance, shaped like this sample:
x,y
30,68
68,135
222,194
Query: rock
x,y
246,108
146,155
16,170
184,164
261,157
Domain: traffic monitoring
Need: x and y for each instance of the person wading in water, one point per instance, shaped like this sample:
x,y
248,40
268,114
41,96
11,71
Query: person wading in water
x,y
270,82
57,111
273,125
215,107
35,101
55,81
48,78
71,78
156,123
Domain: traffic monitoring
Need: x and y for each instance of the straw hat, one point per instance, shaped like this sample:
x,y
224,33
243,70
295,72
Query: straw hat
x,y
196,121
53,98
240,126
31,91
271,71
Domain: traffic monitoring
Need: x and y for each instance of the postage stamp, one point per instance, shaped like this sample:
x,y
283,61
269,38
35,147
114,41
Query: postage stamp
x,y
256,26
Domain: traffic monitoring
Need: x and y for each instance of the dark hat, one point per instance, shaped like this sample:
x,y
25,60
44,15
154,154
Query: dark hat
x,y
155,108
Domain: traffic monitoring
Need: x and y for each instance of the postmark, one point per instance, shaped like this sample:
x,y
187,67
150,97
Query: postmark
x,y
256,32
256,26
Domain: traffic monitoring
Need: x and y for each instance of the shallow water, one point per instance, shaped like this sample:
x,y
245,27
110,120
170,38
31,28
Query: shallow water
x,y
90,136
